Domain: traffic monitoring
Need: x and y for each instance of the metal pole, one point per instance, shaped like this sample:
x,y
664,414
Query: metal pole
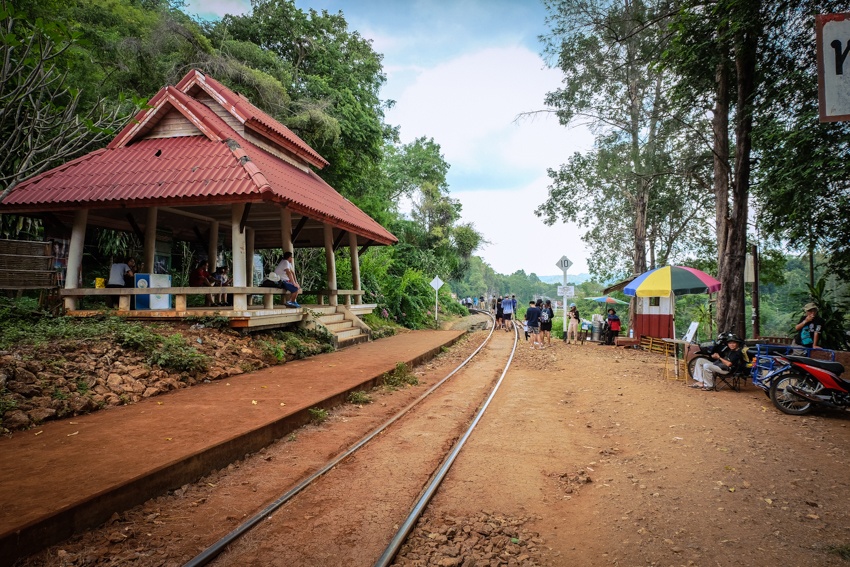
x,y
756,306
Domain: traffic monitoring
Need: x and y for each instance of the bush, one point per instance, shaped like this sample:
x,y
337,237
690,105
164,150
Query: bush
x,y
399,377
137,337
318,415
176,354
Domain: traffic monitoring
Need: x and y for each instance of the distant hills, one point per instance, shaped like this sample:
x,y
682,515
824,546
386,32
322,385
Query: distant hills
x,y
573,278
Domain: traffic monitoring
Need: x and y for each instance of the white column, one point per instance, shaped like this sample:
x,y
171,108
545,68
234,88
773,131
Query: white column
x,y
355,265
150,240
249,256
286,230
330,261
237,240
212,247
75,255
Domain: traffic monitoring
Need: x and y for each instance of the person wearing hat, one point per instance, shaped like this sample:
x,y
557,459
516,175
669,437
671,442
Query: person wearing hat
x,y
729,360
809,327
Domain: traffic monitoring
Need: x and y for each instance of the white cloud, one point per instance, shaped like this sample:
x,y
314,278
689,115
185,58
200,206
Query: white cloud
x,y
498,165
518,239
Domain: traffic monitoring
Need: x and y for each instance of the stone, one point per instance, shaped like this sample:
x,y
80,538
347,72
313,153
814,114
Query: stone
x,y
115,382
111,399
81,404
41,414
25,376
15,419
150,391
138,372
24,389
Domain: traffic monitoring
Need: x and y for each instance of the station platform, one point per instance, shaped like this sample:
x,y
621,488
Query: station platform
x,y
73,474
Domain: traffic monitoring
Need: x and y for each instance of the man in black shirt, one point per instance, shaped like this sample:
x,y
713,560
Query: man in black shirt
x,y
730,360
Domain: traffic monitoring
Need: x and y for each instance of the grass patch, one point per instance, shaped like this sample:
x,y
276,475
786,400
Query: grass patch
x,y
176,354
843,551
359,398
381,327
401,376
272,350
318,415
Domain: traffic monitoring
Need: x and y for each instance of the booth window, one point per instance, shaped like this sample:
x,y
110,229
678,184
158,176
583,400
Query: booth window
x,y
655,302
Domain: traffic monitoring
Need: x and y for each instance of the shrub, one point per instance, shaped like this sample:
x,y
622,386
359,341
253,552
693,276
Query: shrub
x,y
137,337
272,350
210,321
401,376
318,415
359,397
176,354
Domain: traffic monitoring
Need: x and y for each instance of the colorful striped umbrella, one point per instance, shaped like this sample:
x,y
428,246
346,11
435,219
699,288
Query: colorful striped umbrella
x,y
676,280
608,299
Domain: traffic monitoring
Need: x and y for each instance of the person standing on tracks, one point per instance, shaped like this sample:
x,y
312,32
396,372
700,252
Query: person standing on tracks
x,y
532,319
546,317
573,318
507,312
500,316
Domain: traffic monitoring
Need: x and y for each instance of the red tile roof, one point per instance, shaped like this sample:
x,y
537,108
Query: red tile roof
x,y
217,165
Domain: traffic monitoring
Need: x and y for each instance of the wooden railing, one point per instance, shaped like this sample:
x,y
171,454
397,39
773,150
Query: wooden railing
x,y
180,293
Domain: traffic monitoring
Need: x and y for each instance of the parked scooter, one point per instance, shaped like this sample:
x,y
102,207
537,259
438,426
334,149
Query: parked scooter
x,y
809,383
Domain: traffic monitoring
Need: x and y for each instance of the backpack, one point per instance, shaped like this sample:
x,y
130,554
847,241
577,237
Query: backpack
x,y
544,315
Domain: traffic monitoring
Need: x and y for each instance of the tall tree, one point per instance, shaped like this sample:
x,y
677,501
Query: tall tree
x,y
608,53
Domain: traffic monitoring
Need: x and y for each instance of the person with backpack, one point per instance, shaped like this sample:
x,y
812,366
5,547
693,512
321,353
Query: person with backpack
x,y
613,326
546,317
532,319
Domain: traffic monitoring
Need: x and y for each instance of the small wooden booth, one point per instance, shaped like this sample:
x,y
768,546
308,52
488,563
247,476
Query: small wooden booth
x,y
204,163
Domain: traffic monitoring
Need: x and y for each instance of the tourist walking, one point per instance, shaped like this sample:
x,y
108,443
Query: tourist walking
x,y
507,312
573,318
547,315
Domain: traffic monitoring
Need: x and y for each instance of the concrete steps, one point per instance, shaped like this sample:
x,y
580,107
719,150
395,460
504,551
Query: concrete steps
x,y
346,328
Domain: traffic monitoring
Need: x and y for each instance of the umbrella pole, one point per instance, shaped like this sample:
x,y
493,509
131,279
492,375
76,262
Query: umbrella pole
x,y
675,345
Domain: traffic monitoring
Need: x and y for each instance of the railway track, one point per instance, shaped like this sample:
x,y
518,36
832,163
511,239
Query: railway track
x,y
256,540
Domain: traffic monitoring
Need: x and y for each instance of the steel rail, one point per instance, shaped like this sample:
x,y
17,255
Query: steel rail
x,y
437,478
216,548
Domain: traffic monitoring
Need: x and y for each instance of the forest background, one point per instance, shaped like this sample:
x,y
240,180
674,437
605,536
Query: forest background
x,y
657,82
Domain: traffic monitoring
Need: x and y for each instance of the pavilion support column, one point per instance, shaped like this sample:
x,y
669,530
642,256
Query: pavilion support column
x,y
237,240
331,262
355,266
150,240
212,247
75,255
249,256
286,230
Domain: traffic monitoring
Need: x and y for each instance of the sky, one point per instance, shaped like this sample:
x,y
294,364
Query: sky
x,y
461,72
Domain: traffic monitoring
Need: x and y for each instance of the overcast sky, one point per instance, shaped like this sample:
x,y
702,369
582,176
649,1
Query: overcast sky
x,y
460,72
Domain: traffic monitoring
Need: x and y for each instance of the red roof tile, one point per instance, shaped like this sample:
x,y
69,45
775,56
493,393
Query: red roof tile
x,y
218,165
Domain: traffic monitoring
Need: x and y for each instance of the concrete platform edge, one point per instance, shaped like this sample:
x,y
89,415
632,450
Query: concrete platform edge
x,y
91,512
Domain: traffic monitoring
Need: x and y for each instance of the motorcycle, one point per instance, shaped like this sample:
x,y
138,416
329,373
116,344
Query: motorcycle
x,y
808,383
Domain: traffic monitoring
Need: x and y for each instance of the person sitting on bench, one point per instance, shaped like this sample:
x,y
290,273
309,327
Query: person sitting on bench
x,y
285,270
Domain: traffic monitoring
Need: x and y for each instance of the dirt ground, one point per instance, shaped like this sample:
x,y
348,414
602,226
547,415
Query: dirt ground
x,y
588,455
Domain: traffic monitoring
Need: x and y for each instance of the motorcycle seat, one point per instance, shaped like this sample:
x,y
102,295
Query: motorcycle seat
x,y
834,367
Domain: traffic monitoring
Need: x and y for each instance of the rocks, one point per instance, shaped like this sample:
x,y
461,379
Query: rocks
x,y
486,539
70,377
15,419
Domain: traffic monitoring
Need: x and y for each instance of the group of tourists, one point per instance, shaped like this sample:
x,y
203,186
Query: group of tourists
x,y
538,323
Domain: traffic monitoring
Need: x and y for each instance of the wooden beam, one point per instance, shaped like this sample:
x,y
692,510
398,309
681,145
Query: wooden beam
x,y
339,238
135,227
365,247
244,219
298,227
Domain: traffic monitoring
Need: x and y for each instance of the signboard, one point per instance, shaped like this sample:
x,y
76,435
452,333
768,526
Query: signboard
x,y
564,263
567,291
833,47
437,283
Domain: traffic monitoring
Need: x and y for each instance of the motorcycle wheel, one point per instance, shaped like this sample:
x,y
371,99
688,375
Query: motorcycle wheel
x,y
785,401
692,364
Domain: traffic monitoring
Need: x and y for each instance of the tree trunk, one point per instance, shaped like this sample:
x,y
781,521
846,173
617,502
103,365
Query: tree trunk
x,y
732,226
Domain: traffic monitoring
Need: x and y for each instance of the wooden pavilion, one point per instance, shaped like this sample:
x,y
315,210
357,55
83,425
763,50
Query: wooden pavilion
x,y
201,161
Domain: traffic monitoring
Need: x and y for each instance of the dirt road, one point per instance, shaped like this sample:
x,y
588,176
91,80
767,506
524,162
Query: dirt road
x,y
587,456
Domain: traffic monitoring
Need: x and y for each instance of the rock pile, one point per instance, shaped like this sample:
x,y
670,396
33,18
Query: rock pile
x,y
75,377
485,540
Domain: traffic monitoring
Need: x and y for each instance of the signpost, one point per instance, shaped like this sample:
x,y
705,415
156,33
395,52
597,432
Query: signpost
x,y
833,50
436,283
564,263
